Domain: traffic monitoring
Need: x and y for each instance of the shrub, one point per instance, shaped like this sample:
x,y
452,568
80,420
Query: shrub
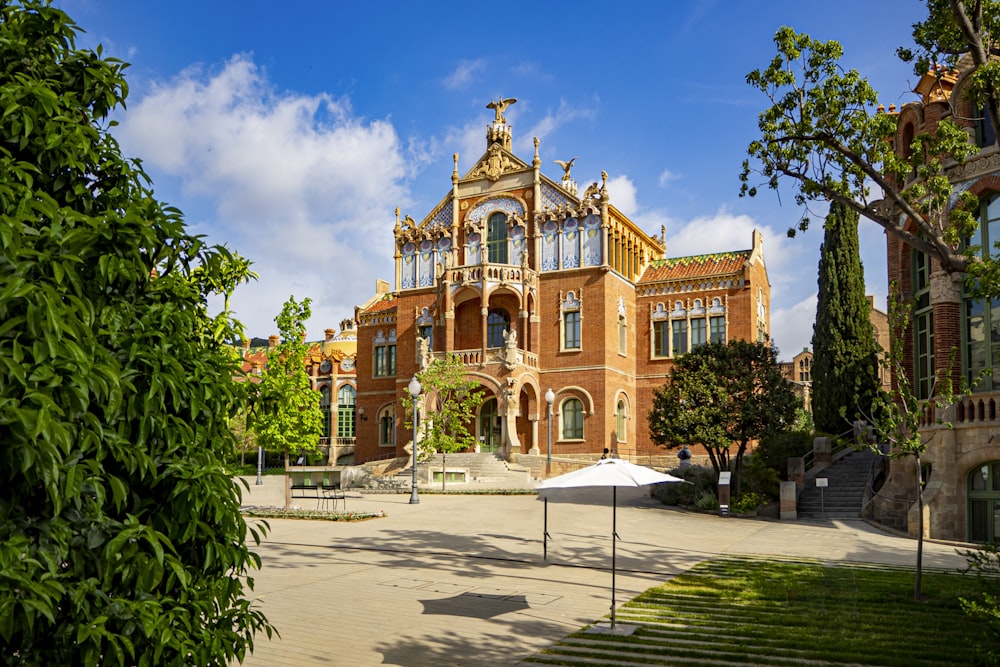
x,y
701,479
747,502
707,501
756,477
775,450
985,563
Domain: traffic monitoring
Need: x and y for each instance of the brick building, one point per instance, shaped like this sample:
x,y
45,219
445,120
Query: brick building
x,y
539,287
949,329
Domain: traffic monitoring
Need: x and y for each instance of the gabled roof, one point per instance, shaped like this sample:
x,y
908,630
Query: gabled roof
x,y
681,268
387,302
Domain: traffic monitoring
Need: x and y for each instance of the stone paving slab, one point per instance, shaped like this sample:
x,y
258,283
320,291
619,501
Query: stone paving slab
x,y
460,580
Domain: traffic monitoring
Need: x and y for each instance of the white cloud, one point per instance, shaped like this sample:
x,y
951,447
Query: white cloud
x,y
792,327
566,113
463,74
667,176
296,183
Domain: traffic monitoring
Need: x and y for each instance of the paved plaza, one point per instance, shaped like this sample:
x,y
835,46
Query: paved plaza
x,y
461,581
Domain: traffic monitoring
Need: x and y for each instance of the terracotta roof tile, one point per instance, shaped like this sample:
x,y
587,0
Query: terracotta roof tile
x,y
680,268
388,302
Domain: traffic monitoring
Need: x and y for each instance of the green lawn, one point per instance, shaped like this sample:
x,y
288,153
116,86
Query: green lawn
x,y
736,611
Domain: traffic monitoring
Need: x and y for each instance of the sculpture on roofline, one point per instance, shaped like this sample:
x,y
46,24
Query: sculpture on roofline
x,y
499,106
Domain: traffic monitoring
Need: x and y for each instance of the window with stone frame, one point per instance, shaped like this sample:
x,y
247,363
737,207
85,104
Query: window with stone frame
x,y
497,322
346,398
571,421
325,407
384,354
570,324
387,427
923,327
981,330
496,238
621,415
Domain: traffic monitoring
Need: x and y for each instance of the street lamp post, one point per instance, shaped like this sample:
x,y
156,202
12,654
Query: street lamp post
x,y
549,398
414,389
260,464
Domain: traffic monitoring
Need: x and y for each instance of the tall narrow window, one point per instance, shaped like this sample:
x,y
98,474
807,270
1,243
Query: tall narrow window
x,y
385,360
622,336
923,327
497,322
982,317
496,238
572,419
386,427
717,329
571,330
679,345
570,308
345,411
620,421
661,339
324,406
697,332
985,136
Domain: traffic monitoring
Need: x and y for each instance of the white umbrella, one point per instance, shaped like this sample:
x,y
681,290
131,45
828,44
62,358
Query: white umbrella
x,y
606,472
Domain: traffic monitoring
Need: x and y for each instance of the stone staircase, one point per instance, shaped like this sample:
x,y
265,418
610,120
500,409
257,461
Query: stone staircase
x,y
845,490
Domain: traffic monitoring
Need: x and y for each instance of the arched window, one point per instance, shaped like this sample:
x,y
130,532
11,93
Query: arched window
x,y
497,322
496,238
982,316
324,406
387,427
572,419
620,415
345,411
984,503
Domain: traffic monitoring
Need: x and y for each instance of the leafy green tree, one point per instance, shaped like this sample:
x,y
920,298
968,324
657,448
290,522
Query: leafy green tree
x,y
824,132
845,354
723,395
121,538
287,416
450,400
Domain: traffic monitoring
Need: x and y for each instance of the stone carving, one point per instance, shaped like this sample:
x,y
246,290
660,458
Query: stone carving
x,y
495,165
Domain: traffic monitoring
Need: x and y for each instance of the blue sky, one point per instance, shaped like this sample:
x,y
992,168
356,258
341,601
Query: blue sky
x,y
291,132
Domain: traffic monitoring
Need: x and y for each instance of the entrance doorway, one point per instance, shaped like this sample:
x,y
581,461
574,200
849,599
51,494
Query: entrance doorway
x,y
984,502
489,427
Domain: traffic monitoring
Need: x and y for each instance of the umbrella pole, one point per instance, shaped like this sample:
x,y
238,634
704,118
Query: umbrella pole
x,y
614,540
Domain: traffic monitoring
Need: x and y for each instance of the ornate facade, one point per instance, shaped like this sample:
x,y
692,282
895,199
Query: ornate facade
x,y
950,333
536,287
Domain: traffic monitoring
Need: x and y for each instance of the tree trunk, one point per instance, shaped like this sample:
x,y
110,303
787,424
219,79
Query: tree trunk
x,y
288,485
444,458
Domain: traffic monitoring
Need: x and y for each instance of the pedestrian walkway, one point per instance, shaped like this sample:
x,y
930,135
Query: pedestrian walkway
x,y
460,580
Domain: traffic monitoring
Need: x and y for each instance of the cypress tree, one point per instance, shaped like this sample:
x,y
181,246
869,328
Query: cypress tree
x,y
845,354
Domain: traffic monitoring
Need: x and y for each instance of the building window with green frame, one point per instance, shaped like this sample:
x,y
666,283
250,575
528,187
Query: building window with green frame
x,y
346,398
496,238
572,419
679,341
923,327
571,324
621,422
981,330
984,503
325,407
